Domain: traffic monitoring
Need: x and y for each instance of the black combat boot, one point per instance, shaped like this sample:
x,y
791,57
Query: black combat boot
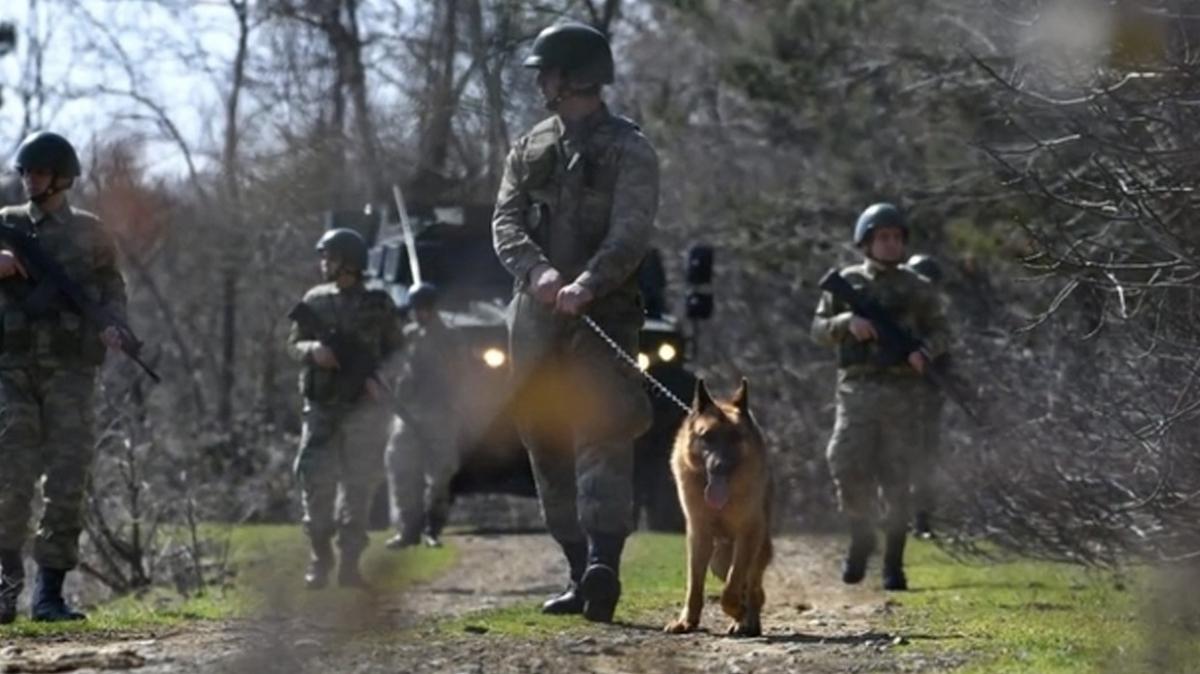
x,y
48,602
404,539
348,573
601,582
12,581
570,602
893,560
862,544
921,526
320,563
435,522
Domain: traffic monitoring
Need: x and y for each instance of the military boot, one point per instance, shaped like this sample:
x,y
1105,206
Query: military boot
x,y
348,573
12,581
601,582
922,527
320,563
570,602
862,544
893,560
435,522
402,540
48,602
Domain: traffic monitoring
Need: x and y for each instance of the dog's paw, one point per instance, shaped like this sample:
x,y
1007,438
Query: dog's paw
x,y
679,627
745,628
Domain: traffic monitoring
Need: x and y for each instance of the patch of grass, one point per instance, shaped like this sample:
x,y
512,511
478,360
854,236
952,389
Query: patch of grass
x,y
1025,616
268,565
652,575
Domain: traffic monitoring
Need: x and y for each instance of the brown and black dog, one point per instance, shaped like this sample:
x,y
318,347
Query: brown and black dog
x,y
720,466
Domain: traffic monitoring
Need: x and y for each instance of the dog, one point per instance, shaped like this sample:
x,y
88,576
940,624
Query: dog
x,y
720,464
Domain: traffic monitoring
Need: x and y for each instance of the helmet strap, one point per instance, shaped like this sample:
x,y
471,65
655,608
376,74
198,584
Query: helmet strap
x,y
45,195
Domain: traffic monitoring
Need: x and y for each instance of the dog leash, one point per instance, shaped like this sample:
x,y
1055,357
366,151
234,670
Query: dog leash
x,y
656,385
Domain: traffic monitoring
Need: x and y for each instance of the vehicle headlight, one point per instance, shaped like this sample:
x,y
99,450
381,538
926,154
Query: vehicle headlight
x,y
667,352
643,362
494,358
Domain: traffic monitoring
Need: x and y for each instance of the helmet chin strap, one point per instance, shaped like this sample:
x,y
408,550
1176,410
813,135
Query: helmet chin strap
x,y
43,196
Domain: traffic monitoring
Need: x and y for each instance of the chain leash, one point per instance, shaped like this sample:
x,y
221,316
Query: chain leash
x,y
655,385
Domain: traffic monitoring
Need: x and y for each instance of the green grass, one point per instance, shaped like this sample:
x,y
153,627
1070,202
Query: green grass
x,y
651,570
267,563
1025,616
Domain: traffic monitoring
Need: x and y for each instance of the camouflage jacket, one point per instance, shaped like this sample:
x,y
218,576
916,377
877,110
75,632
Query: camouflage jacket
x,y
432,371
55,335
582,199
913,302
368,316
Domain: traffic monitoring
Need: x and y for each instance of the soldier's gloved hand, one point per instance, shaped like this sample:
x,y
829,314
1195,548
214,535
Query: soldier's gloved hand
x,y
545,282
111,338
862,329
9,265
918,361
573,299
324,358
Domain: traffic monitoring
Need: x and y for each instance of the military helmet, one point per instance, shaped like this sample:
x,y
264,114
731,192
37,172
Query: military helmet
x,y
347,244
47,151
926,266
422,295
582,52
876,216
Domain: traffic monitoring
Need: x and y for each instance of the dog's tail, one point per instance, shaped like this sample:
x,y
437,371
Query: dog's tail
x,y
722,557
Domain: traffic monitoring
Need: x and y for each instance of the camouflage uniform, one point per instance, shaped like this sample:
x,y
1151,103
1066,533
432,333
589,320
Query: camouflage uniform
x,y
879,427
48,362
581,199
423,455
341,449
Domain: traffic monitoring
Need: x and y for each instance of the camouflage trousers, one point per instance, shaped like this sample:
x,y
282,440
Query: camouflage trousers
x,y
421,460
338,467
579,409
925,460
46,434
874,439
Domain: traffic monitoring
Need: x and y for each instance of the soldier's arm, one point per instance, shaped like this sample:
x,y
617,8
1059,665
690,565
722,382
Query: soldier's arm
x,y
634,205
931,316
300,346
831,324
517,250
108,274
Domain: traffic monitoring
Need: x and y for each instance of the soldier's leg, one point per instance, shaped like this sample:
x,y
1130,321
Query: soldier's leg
x,y
20,447
406,481
68,453
615,410
442,462
850,455
364,436
317,473
924,466
899,442
540,415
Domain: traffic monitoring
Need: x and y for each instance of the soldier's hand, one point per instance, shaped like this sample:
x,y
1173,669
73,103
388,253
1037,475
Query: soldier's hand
x,y
918,361
573,299
9,265
545,282
112,338
862,329
324,358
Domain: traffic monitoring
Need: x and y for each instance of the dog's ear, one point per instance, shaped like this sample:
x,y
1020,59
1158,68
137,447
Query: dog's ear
x,y
702,400
741,397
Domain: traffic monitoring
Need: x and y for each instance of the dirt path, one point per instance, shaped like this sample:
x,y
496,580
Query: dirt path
x,y
812,624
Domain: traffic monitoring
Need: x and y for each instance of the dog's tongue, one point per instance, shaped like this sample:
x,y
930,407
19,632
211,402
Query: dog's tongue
x,y
716,494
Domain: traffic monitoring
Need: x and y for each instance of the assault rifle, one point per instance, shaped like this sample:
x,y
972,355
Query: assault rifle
x,y
355,362
895,342
51,282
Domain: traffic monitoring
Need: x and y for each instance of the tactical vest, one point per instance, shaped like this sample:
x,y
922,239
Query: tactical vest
x,y
40,325
852,353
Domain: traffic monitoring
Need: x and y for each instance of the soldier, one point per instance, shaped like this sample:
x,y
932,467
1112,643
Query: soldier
x,y
933,400
49,356
572,222
345,416
875,434
423,455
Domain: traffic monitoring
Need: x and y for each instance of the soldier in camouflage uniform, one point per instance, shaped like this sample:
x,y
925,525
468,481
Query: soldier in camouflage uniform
x,y
932,403
876,432
423,454
49,356
572,222
345,422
